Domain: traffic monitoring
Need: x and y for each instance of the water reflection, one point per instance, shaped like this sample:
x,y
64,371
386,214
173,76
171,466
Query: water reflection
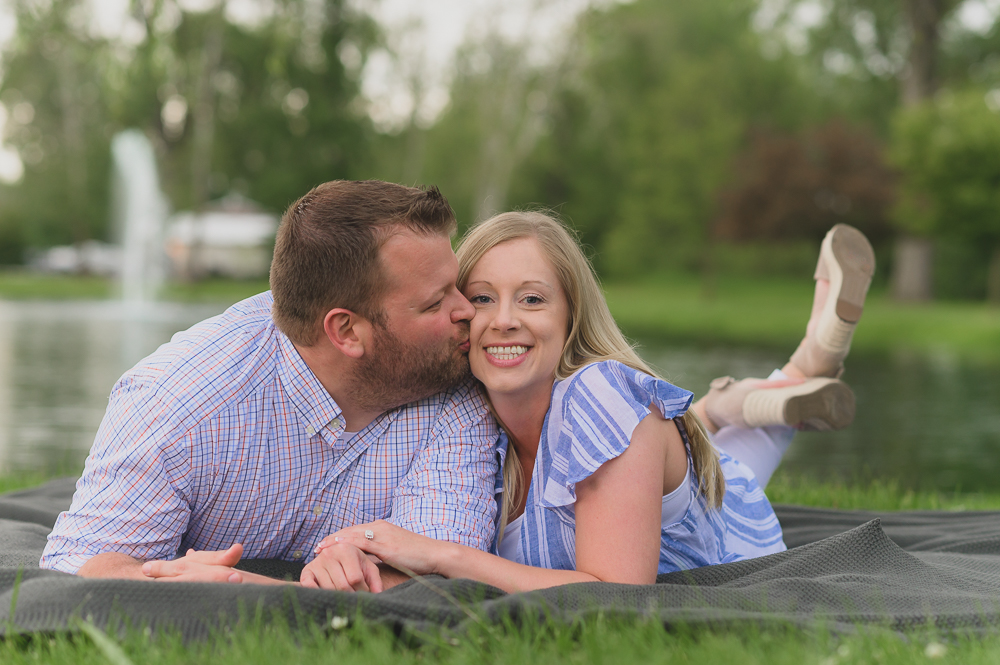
x,y
931,423
58,362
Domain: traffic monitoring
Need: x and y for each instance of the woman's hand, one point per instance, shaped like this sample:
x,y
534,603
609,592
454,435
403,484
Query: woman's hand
x,y
395,546
342,567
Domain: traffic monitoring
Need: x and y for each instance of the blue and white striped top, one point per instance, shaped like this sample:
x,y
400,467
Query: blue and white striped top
x,y
590,421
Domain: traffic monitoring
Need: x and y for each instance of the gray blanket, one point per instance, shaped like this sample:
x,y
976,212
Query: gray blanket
x,y
843,568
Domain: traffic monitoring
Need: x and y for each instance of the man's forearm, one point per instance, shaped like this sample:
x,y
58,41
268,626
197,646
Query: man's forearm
x,y
390,576
113,565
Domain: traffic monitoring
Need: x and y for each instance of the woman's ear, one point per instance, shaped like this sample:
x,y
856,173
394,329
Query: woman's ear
x,y
347,331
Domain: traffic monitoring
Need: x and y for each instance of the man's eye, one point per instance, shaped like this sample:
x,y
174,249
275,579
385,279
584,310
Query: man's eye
x,y
435,305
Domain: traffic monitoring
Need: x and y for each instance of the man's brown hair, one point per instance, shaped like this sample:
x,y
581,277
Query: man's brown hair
x,y
326,253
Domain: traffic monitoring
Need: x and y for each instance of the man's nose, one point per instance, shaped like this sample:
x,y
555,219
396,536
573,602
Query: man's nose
x,y
464,310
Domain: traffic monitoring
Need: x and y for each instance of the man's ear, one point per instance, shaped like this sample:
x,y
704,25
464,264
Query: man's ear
x,y
347,331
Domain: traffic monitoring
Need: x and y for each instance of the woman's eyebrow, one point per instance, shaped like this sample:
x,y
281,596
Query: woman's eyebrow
x,y
523,284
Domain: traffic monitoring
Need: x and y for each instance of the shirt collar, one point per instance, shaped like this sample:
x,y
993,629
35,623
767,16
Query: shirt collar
x,y
315,406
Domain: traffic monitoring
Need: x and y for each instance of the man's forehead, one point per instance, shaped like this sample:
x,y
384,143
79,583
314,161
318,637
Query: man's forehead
x,y
418,262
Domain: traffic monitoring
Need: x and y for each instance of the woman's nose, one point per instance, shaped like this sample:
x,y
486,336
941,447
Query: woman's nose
x,y
505,317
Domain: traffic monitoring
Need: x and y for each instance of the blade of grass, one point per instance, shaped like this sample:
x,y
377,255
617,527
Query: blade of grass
x,y
105,644
447,596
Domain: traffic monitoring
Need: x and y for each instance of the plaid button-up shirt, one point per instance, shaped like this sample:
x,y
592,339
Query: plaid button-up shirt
x,y
225,436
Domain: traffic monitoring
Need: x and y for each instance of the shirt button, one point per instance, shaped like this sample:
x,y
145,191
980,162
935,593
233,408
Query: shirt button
x,y
310,430
297,554
317,510
335,423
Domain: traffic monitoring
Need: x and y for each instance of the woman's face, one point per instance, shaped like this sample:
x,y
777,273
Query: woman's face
x,y
521,322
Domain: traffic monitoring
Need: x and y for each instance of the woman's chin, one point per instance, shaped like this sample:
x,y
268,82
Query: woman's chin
x,y
514,389
500,385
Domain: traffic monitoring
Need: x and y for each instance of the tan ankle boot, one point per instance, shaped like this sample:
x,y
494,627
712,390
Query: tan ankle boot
x,y
814,404
847,260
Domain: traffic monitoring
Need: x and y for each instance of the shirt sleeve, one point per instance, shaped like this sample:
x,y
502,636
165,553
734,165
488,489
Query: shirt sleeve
x,y
591,421
448,493
130,498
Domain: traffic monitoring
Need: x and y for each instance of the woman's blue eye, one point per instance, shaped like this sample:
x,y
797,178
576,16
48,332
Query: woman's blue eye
x,y
533,300
479,300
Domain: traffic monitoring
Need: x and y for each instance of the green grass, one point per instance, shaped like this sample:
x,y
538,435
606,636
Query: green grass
x,y
24,285
875,494
773,313
226,291
597,640
12,483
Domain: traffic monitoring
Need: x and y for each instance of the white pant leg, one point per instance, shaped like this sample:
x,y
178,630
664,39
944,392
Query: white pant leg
x,y
760,448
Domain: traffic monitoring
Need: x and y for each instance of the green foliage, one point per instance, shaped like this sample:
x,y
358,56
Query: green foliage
x,y
52,86
642,132
267,111
492,122
969,58
948,151
853,55
799,185
960,269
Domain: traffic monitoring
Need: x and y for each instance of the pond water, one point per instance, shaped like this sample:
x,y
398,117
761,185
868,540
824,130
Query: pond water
x,y
930,423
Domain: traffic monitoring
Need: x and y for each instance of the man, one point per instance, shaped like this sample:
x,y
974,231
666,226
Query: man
x,y
283,420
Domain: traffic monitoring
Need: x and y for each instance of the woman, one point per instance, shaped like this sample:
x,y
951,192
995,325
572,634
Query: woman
x,y
607,475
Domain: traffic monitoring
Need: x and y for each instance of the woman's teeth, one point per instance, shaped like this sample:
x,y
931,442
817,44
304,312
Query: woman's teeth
x,y
506,352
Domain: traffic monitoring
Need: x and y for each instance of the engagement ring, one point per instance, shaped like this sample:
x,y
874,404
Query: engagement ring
x,y
369,534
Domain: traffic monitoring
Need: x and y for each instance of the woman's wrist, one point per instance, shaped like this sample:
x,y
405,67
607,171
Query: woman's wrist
x,y
448,563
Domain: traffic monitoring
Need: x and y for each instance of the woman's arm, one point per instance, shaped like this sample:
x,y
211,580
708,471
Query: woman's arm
x,y
617,527
421,555
619,507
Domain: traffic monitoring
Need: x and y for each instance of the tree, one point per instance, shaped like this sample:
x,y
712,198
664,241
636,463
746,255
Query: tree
x,y
494,117
266,110
656,100
949,152
797,186
53,87
891,50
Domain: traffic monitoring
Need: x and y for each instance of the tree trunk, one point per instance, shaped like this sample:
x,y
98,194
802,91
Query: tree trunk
x,y
72,141
993,278
923,17
203,136
911,273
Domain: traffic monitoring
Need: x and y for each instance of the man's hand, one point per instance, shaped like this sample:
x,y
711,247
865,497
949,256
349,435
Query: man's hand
x,y
344,568
205,566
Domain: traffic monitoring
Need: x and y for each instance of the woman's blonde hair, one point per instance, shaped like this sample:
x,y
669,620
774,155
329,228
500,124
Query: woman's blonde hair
x,y
593,334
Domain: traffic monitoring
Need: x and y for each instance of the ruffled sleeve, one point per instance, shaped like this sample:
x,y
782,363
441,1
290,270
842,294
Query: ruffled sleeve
x,y
591,420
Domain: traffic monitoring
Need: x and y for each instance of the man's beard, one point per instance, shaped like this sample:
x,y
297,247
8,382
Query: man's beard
x,y
394,373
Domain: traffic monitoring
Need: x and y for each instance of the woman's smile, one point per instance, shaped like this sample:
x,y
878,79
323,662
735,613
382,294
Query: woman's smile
x,y
506,356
